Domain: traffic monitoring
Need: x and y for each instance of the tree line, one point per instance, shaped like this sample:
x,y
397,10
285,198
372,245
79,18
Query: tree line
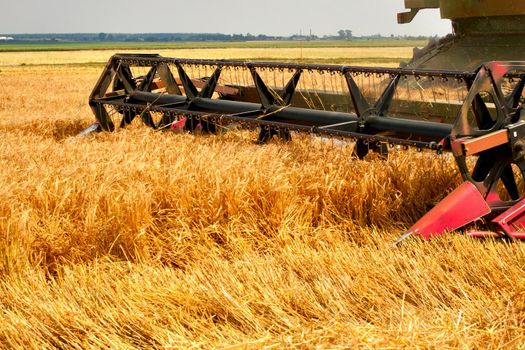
x,y
343,34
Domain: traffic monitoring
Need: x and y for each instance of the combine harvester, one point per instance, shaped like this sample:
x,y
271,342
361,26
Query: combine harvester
x,y
447,99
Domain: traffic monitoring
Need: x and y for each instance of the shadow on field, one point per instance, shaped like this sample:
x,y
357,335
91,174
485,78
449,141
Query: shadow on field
x,y
58,130
62,129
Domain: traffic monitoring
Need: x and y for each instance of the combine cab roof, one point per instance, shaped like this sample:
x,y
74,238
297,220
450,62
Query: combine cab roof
x,y
456,9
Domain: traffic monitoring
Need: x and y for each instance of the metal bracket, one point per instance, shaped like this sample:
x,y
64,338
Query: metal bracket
x,y
358,100
167,77
208,89
125,77
290,87
383,103
148,80
187,84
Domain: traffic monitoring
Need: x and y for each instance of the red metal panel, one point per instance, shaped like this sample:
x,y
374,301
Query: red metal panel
x,y
512,220
461,207
484,234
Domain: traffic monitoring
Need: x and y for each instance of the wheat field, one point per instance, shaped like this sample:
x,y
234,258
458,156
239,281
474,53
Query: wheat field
x,y
144,239
368,55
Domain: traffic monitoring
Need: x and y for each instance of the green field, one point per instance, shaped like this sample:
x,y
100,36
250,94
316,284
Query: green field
x,y
73,46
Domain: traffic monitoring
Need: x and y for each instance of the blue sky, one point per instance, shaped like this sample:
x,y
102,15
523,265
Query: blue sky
x,y
272,17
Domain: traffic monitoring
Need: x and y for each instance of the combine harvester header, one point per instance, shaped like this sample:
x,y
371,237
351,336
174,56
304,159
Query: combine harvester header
x,y
474,113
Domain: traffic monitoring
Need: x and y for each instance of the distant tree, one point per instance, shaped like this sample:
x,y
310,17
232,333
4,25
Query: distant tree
x,y
345,34
102,36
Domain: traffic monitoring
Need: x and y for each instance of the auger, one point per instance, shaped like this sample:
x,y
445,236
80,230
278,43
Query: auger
x,y
476,114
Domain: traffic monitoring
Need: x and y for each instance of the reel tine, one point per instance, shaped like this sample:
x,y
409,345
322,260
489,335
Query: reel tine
x,y
127,118
361,149
265,134
208,126
285,135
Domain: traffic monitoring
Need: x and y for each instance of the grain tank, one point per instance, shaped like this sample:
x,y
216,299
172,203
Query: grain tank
x,y
482,31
